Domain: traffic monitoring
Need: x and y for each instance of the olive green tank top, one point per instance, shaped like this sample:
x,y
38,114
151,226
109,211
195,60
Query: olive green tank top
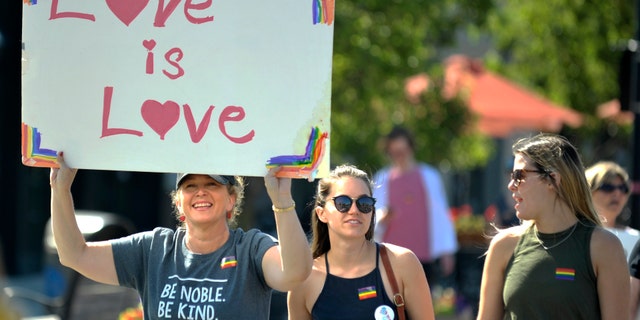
x,y
553,283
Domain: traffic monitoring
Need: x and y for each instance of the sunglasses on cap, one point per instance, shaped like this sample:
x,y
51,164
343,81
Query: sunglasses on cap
x,y
609,188
364,203
519,174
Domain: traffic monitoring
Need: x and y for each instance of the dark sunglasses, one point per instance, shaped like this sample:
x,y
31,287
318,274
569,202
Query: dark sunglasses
x,y
519,174
343,203
609,188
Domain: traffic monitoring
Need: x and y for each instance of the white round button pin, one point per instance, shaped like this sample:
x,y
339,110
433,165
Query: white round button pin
x,y
384,312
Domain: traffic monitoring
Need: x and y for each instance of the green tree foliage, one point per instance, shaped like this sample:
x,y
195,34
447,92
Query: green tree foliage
x,y
567,50
377,45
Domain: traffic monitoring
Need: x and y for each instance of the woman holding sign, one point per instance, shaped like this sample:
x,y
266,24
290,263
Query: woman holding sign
x,y
350,278
203,269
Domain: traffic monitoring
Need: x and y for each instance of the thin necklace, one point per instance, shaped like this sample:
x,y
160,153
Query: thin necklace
x,y
557,243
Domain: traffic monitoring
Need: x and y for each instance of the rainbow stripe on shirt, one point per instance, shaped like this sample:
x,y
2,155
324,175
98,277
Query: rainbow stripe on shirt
x,y
567,274
228,262
367,293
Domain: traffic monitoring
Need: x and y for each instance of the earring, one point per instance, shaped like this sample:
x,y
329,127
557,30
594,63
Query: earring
x,y
182,218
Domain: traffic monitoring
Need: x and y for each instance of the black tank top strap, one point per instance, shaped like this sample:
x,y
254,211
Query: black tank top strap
x,y
377,254
326,261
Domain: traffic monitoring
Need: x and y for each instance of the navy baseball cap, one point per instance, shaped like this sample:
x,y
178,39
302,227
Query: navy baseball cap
x,y
220,179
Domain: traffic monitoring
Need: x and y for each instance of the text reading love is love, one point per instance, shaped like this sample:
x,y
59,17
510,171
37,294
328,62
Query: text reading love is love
x,y
161,117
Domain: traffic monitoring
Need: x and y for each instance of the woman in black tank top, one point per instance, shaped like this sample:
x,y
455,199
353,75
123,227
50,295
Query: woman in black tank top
x,y
347,280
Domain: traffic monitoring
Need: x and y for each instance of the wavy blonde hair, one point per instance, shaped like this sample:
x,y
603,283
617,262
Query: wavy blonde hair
x,y
554,153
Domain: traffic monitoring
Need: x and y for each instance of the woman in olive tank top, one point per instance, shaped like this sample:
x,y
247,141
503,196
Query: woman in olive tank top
x,y
560,263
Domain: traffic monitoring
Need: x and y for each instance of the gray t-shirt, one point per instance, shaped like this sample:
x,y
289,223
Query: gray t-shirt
x,y
175,283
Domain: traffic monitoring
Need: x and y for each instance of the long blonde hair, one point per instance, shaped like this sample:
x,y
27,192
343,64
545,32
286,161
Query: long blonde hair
x,y
554,153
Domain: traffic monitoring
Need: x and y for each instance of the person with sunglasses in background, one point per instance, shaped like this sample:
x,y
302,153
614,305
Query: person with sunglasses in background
x,y
610,190
348,279
560,263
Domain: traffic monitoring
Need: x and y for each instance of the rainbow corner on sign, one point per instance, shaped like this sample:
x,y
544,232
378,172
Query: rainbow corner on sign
x,y
32,154
30,2
305,165
323,11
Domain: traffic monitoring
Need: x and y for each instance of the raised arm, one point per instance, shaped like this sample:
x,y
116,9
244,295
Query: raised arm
x,y
93,260
288,264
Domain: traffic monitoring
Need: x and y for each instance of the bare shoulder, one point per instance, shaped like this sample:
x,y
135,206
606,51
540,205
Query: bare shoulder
x,y
399,254
505,240
508,235
406,266
608,258
318,274
603,236
603,241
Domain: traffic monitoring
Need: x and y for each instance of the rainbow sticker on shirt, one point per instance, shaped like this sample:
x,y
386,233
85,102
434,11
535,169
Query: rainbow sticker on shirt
x,y
367,293
32,154
228,262
30,2
567,274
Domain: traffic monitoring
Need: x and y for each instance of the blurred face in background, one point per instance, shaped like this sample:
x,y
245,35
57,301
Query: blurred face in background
x,y
611,198
400,152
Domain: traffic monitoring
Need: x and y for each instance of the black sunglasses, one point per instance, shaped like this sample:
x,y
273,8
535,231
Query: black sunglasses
x,y
519,174
608,188
364,203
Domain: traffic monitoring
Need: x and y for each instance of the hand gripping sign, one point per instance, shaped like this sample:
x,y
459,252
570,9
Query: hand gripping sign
x,y
178,85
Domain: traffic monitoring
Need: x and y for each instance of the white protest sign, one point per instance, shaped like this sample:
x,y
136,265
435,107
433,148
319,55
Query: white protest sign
x,y
176,85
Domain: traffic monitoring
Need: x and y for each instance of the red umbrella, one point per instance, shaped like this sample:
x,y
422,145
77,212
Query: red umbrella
x,y
502,106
